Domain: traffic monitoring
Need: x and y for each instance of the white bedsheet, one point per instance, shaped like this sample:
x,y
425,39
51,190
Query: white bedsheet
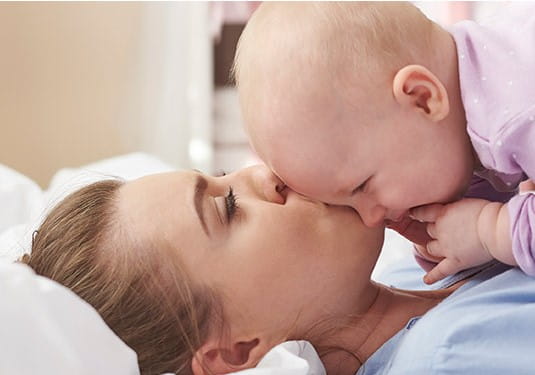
x,y
46,329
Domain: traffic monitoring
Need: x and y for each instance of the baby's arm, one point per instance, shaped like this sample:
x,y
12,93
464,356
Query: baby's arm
x,y
472,231
521,210
454,229
416,231
527,185
494,232
490,221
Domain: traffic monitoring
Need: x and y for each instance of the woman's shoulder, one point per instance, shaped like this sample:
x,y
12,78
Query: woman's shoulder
x,y
497,287
491,316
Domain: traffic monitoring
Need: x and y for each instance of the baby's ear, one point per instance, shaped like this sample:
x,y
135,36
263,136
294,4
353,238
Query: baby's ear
x,y
212,358
414,86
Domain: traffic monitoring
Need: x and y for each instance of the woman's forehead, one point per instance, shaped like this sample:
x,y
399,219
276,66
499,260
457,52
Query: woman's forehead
x,y
157,205
155,185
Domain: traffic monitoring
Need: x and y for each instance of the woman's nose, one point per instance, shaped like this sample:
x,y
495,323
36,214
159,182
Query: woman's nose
x,y
268,184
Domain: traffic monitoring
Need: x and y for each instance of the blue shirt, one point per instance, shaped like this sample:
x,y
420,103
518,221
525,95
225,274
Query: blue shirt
x,y
487,326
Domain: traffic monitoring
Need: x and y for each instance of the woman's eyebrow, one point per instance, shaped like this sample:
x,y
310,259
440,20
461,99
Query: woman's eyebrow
x,y
200,188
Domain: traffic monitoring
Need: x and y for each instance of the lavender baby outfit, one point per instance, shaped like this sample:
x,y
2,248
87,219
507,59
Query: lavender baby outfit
x,y
497,77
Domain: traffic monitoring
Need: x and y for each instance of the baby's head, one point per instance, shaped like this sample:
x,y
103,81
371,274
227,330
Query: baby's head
x,y
355,104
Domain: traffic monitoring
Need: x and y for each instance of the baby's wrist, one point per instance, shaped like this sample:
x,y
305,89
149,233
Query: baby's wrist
x,y
493,232
486,226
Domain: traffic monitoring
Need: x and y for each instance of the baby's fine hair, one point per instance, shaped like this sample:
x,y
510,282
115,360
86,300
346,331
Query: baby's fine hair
x,y
149,302
335,39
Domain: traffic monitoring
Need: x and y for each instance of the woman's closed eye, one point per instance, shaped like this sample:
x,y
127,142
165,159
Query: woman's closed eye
x,y
231,205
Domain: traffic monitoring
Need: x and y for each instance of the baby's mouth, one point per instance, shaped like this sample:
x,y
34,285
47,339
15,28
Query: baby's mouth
x,y
399,223
398,218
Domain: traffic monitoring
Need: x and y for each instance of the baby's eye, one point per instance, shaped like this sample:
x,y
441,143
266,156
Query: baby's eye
x,y
361,187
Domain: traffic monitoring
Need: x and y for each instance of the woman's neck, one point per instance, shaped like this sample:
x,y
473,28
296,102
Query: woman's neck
x,y
387,315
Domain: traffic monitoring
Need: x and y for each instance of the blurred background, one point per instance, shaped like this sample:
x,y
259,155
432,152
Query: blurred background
x,y
85,81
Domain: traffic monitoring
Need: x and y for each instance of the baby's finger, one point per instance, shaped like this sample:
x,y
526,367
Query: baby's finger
x,y
411,229
429,213
433,248
423,253
440,271
432,230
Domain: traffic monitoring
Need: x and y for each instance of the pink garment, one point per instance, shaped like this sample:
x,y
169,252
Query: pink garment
x,y
497,69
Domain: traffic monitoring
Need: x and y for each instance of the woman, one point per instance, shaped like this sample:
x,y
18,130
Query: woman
x,y
204,275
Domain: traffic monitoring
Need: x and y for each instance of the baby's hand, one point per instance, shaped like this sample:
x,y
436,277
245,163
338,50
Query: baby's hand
x,y
453,229
421,251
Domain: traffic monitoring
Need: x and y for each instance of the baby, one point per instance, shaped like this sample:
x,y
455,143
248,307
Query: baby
x,y
429,131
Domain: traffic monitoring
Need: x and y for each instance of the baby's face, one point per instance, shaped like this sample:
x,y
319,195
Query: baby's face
x,y
382,169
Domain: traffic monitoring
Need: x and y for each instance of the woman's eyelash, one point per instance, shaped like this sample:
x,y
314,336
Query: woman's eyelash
x,y
231,204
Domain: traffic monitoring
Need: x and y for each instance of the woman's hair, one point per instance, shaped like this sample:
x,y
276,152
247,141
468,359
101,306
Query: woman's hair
x,y
150,302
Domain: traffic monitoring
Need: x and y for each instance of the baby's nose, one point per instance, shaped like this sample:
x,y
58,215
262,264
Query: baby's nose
x,y
373,217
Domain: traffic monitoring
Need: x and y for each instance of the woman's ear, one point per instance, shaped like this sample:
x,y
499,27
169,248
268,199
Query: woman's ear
x,y
212,358
414,86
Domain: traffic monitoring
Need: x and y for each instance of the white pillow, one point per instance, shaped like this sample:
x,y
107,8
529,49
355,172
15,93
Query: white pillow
x,y
46,329
289,358
24,204
21,202
20,198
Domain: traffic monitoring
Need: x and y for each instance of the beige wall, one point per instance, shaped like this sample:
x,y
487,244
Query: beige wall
x,y
83,81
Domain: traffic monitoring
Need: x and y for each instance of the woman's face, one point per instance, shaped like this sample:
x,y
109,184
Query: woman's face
x,y
274,255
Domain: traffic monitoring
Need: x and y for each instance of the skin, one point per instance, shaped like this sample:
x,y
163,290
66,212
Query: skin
x,y
265,260
404,164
